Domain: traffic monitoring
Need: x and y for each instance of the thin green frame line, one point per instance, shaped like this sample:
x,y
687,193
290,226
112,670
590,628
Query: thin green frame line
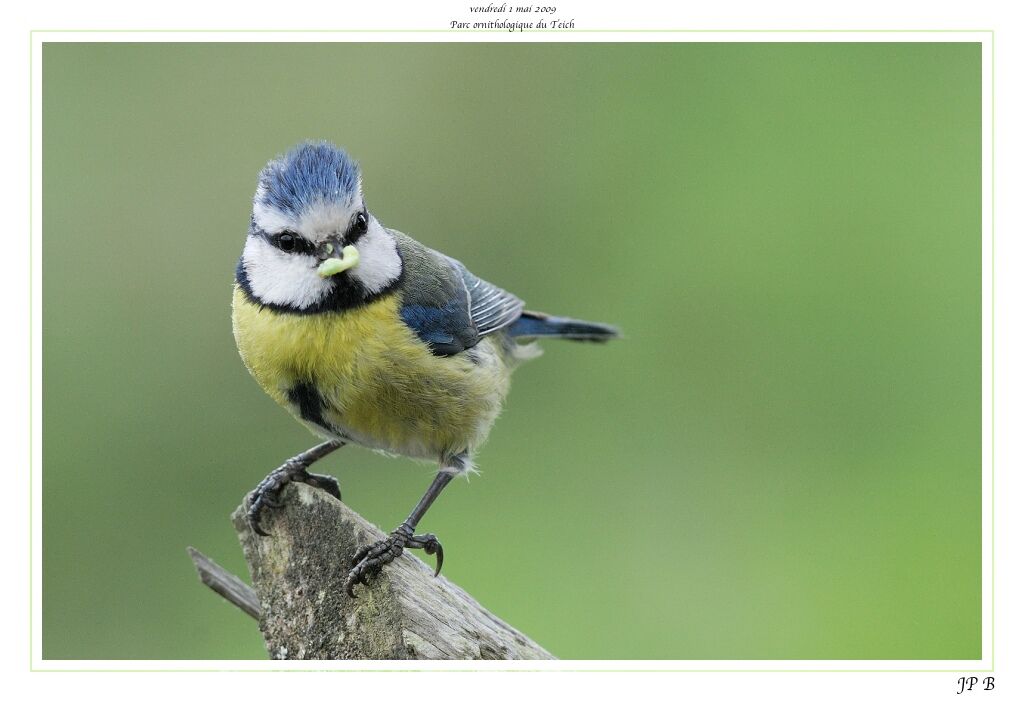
x,y
991,34
31,377
506,31
992,333
491,670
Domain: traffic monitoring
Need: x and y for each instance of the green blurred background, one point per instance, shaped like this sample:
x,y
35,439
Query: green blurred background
x,y
781,459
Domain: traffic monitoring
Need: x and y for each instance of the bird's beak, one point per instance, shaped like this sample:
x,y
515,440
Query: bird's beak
x,y
334,265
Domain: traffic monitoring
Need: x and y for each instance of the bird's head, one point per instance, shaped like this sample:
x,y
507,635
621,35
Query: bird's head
x,y
312,245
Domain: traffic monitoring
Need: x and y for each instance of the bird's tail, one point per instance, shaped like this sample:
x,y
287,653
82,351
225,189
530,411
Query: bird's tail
x,y
538,324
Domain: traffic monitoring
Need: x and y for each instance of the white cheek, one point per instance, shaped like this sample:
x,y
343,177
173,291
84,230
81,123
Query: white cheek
x,y
281,278
379,262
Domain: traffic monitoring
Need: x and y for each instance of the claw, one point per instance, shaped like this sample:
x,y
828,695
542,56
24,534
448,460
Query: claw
x,y
369,560
360,555
326,483
253,517
440,558
331,487
431,546
293,470
266,500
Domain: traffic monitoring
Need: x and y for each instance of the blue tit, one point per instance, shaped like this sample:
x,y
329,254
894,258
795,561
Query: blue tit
x,y
368,337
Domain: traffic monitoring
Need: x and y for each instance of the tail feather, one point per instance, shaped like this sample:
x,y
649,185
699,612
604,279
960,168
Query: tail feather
x,y
538,324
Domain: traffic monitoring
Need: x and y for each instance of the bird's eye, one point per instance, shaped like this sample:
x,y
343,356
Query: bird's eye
x,y
359,227
286,241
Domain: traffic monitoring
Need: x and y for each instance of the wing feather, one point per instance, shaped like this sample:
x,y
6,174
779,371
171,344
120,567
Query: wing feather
x,y
448,307
490,307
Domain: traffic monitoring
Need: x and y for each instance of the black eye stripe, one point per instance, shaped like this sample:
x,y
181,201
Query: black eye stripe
x,y
292,242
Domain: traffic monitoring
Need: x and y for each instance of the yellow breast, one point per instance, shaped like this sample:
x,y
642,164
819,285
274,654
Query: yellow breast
x,y
379,385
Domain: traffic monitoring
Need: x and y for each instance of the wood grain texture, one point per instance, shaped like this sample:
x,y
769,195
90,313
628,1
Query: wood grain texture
x,y
299,571
225,584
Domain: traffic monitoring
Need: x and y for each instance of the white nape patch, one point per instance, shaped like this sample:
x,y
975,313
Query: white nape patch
x,y
281,278
379,262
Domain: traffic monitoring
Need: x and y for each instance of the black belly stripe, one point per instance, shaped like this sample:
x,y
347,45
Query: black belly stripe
x,y
311,406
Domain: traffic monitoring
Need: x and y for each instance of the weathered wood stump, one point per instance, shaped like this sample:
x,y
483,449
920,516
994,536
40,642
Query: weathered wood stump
x,y
304,613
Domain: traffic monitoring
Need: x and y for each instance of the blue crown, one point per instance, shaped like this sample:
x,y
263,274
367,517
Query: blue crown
x,y
311,172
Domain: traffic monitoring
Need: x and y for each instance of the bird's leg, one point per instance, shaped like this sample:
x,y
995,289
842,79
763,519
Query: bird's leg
x,y
369,560
293,470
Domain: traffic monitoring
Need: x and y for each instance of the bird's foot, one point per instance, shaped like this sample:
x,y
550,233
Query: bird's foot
x,y
369,560
266,493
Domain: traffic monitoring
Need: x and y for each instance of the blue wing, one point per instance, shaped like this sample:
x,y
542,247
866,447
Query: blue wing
x,y
446,330
449,308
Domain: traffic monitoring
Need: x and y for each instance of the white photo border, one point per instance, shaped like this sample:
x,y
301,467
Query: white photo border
x,y
985,664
